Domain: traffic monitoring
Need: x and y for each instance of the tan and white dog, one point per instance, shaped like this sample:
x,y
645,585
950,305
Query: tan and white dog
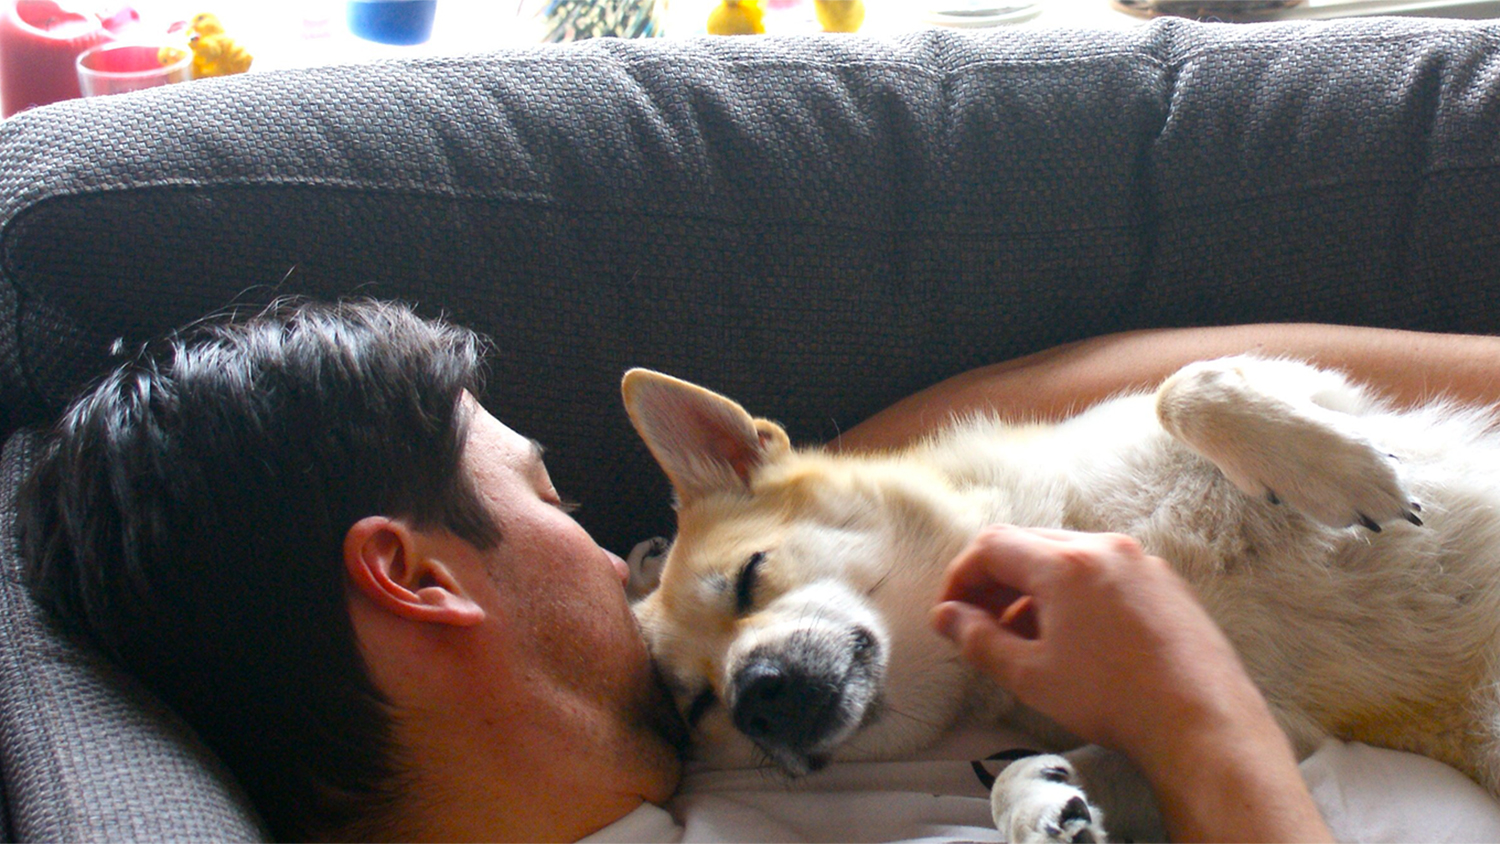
x,y
791,621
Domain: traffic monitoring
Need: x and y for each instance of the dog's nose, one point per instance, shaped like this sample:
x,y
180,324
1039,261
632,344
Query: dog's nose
x,y
782,704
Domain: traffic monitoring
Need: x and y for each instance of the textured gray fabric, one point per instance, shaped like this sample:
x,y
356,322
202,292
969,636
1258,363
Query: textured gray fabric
x,y
88,755
817,226
863,217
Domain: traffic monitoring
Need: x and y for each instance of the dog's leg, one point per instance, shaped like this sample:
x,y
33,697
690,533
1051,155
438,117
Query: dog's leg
x,y
1288,432
1121,791
1039,799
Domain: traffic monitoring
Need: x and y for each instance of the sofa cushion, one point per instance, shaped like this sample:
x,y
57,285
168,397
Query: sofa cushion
x,y
815,225
88,754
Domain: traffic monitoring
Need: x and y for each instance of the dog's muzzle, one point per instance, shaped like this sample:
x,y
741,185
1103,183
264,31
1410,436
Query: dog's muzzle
x,y
802,696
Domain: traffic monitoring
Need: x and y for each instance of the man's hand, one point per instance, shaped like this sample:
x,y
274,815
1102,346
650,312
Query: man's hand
x,y
1088,628
1111,644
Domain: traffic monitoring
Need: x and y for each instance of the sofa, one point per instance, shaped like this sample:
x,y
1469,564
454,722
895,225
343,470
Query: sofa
x,y
815,225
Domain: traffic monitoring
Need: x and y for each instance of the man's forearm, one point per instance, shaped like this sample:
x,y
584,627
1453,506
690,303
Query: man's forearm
x,y
1408,366
1234,781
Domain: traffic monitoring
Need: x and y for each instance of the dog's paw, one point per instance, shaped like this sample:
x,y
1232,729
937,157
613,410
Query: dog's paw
x,y
1038,799
1335,477
1307,457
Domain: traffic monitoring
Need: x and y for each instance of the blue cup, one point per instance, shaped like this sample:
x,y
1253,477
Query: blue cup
x,y
392,21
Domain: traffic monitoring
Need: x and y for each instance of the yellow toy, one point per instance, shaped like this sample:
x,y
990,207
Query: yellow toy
x,y
840,15
737,17
214,53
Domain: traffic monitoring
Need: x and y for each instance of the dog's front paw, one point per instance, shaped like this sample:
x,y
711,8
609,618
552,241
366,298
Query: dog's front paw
x,y
1038,799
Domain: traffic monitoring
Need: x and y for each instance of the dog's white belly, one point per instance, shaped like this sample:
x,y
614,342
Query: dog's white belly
x,y
1386,638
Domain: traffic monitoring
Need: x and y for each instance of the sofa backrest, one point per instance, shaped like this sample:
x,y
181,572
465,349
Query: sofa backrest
x,y
817,226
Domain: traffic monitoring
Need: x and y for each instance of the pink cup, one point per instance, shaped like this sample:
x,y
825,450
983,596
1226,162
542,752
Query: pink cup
x,y
115,68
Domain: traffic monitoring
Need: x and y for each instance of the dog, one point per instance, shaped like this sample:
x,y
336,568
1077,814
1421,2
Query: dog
x,y
1349,549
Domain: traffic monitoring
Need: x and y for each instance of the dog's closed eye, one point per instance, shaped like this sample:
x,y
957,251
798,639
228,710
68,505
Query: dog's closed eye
x,y
744,585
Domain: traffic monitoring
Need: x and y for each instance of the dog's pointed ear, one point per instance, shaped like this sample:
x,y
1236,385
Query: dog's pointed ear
x,y
705,442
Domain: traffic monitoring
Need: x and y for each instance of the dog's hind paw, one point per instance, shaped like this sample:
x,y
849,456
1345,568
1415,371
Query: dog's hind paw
x,y
1338,479
1283,449
1038,799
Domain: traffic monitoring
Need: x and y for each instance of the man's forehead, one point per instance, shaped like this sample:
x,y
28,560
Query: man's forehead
x,y
490,433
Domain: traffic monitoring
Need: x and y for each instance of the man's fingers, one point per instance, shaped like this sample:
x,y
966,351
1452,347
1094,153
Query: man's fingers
x,y
982,641
1055,534
1001,556
988,595
1020,618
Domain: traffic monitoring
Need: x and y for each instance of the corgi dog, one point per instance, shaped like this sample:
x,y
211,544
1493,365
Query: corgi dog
x,y
1350,551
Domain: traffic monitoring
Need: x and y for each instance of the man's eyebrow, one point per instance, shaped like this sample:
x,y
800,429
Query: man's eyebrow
x,y
537,449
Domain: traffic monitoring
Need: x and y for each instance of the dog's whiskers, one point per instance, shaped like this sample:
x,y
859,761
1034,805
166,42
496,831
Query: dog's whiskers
x,y
889,570
893,710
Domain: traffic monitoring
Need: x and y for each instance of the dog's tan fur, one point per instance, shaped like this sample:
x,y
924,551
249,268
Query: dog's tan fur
x,y
1260,481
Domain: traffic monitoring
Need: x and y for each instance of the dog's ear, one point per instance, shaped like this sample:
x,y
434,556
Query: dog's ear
x,y
703,441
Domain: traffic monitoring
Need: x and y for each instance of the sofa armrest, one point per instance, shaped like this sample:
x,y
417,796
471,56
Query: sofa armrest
x,y
87,753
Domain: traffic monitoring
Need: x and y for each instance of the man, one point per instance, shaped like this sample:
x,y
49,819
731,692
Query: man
x,y
304,533
360,588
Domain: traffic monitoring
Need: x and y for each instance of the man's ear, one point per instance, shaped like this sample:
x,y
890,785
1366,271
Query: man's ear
x,y
704,441
393,566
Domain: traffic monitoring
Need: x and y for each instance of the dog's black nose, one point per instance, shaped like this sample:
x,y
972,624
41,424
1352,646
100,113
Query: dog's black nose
x,y
783,705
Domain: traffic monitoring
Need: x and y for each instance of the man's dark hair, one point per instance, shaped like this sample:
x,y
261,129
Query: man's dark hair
x,y
187,515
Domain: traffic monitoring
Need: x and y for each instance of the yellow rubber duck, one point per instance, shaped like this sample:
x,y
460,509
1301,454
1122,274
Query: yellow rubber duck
x,y
840,15
214,53
737,17
205,23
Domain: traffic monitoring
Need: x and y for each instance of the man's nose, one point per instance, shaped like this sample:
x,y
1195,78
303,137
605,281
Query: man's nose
x,y
621,567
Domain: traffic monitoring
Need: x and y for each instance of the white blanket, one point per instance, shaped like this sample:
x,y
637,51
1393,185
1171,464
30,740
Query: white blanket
x,y
1365,793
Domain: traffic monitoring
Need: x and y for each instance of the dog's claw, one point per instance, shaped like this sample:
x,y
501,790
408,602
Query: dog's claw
x,y
1368,522
1412,517
1272,497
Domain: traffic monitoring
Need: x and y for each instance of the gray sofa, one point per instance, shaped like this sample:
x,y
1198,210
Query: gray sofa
x,y
817,226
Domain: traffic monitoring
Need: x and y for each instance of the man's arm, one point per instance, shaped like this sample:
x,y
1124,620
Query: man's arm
x,y
1409,366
